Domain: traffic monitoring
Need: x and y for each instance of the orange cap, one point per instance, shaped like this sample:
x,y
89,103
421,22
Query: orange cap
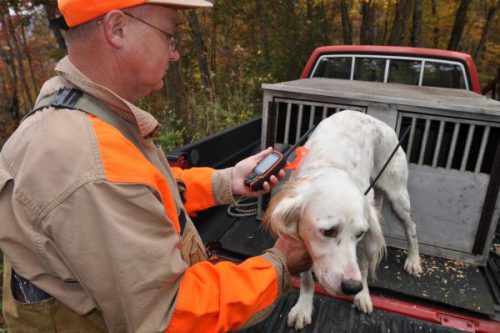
x,y
76,12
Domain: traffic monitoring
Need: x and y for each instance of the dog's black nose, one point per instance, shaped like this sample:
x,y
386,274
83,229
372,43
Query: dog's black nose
x,y
351,287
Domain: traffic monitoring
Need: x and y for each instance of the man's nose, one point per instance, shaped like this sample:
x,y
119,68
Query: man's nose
x,y
351,287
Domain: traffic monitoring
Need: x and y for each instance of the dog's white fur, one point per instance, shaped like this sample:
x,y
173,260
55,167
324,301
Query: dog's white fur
x,y
324,205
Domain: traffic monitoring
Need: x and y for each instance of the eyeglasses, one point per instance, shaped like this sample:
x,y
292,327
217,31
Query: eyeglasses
x,y
174,40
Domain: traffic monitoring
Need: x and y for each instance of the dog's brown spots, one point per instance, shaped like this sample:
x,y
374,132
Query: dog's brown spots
x,y
339,241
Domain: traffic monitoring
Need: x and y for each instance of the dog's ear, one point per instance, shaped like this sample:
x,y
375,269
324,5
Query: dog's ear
x,y
374,242
283,213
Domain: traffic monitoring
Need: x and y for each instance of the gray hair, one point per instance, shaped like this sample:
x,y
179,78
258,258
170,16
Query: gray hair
x,y
83,32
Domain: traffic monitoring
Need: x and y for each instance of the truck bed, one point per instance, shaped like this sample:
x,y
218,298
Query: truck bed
x,y
447,286
449,293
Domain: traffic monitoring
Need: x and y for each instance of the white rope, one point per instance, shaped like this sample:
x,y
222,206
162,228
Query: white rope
x,y
244,207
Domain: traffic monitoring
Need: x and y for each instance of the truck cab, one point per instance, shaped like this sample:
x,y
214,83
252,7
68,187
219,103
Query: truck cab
x,y
393,64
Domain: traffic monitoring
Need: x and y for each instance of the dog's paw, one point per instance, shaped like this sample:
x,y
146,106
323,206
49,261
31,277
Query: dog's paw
x,y
363,302
413,266
300,315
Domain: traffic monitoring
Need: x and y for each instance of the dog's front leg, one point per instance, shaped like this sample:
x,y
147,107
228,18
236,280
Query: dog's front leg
x,y
362,300
300,315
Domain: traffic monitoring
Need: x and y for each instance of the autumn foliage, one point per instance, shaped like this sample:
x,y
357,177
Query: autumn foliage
x,y
230,50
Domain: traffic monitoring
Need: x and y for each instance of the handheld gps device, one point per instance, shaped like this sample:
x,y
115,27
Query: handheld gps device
x,y
271,165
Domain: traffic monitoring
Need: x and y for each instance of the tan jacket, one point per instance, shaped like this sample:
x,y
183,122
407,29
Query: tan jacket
x,y
96,243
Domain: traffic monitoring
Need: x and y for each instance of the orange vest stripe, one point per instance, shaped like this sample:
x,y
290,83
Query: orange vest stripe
x,y
222,297
198,182
124,163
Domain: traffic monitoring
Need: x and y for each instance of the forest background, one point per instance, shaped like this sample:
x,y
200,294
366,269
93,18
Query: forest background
x,y
230,50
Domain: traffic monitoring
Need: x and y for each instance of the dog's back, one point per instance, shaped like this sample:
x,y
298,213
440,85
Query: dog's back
x,y
353,141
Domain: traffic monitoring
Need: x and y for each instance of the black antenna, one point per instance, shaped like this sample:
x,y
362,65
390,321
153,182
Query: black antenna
x,y
298,143
389,159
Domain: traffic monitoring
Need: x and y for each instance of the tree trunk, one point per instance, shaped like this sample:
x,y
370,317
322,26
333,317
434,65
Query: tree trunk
x,y
346,23
403,8
263,17
484,35
383,35
310,41
201,50
416,31
458,26
14,45
11,101
28,56
436,25
368,13
213,46
56,30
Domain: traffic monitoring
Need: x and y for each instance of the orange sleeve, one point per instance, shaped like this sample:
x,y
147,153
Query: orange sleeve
x,y
198,182
222,297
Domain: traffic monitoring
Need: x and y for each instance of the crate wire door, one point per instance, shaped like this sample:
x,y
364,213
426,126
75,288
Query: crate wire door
x,y
296,117
450,160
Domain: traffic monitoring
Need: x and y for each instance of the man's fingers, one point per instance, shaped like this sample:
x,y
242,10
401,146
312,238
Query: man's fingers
x,y
273,180
263,153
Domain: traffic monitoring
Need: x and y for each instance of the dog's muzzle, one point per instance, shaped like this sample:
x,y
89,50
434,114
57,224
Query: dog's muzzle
x,y
351,287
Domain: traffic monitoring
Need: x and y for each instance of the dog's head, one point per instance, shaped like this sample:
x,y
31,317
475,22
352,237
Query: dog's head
x,y
332,216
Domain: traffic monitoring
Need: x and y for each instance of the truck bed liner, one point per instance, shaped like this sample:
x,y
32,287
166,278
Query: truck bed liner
x,y
331,315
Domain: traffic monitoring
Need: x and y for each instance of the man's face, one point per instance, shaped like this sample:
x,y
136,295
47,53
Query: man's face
x,y
150,51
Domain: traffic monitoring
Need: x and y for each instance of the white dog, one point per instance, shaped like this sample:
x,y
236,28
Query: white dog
x,y
324,205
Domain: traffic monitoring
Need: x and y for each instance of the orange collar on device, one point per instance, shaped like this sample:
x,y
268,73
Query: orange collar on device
x,y
299,154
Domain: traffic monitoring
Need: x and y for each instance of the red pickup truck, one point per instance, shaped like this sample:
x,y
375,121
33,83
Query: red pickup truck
x,y
394,64
454,161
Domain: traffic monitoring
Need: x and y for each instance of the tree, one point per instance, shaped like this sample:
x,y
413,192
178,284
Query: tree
x,y
458,26
263,19
346,23
16,54
368,13
416,30
403,9
54,27
484,34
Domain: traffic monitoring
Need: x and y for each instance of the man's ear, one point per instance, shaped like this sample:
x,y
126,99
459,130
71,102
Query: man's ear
x,y
285,209
114,23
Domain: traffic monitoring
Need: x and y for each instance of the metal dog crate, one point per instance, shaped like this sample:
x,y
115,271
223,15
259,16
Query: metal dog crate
x,y
453,153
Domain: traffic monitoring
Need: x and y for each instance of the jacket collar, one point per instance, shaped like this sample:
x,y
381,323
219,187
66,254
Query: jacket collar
x,y
145,122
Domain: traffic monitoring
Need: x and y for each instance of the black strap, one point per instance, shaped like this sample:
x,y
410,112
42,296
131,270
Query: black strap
x,y
66,99
182,220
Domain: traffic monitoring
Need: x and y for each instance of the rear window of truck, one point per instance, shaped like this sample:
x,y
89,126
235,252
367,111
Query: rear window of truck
x,y
393,69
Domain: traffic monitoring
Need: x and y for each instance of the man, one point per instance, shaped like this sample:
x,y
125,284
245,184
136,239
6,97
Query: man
x,y
93,229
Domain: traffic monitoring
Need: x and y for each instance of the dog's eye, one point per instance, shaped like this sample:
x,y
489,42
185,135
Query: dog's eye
x,y
332,232
360,234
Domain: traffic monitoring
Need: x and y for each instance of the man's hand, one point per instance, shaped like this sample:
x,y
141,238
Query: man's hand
x,y
298,259
244,167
